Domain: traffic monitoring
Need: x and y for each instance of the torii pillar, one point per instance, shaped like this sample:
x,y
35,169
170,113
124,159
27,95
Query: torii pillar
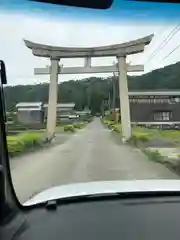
x,y
52,102
124,99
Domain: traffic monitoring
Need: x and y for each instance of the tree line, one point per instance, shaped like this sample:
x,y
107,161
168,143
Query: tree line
x,y
91,92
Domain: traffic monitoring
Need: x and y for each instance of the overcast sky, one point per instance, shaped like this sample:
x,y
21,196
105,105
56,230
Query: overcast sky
x,y
75,32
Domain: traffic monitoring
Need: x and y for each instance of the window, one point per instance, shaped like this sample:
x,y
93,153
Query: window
x,y
162,116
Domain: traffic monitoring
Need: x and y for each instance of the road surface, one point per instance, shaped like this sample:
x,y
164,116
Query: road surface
x,y
89,155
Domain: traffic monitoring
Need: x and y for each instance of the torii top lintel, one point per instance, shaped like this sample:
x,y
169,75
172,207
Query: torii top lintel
x,y
123,49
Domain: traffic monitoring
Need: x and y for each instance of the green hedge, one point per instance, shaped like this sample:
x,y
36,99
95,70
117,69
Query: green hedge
x,y
139,137
108,123
78,125
69,128
23,142
116,127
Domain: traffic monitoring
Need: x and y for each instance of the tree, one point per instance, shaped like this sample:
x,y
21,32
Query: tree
x,y
92,92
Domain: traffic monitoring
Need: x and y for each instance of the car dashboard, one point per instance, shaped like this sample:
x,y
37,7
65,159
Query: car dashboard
x,y
146,218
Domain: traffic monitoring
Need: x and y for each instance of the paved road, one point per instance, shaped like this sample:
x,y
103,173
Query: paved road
x,y
89,155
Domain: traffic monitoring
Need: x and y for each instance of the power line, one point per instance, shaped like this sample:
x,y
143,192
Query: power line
x,y
170,53
164,42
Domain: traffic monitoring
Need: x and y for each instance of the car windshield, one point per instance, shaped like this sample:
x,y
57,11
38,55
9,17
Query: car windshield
x,y
92,95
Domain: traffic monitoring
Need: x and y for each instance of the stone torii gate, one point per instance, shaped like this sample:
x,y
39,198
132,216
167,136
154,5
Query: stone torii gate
x,y
120,51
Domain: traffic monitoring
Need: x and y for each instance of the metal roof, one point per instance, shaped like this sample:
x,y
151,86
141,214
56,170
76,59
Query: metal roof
x,y
29,109
29,104
154,93
63,105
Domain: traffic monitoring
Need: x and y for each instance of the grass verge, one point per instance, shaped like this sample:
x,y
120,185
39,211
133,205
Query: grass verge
x,y
155,156
24,142
29,141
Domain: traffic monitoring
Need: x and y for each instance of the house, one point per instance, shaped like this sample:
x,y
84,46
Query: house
x,y
30,112
64,110
155,107
36,112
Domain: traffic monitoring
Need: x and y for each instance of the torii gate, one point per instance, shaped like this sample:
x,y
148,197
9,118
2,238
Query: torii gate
x,y
120,51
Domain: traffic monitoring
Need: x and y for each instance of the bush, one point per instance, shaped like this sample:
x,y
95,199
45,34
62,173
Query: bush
x,y
78,125
116,128
109,123
89,119
69,128
154,155
22,142
110,116
139,137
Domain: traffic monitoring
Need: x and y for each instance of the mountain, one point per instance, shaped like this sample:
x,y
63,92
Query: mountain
x,y
92,91
163,78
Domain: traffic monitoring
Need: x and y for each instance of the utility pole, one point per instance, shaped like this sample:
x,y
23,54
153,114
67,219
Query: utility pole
x,y
109,101
102,108
88,97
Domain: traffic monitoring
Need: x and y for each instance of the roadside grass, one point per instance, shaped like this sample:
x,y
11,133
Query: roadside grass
x,y
138,137
171,135
142,134
24,142
154,155
31,140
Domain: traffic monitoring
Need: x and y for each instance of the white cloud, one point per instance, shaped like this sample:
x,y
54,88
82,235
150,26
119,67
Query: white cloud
x,y
63,32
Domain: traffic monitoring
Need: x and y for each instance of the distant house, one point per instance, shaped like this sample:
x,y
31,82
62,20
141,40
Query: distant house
x,y
30,112
36,112
155,107
64,110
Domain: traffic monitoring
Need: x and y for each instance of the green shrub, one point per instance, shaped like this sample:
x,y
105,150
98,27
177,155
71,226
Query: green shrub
x,y
69,128
154,155
22,142
78,125
139,137
105,121
30,139
109,123
116,127
89,119
110,115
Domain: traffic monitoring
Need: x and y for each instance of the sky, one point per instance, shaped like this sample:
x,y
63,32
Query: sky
x,y
72,27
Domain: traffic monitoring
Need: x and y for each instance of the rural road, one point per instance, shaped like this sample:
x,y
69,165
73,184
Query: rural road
x,y
89,155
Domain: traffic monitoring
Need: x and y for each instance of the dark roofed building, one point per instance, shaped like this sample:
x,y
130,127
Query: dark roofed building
x,y
155,107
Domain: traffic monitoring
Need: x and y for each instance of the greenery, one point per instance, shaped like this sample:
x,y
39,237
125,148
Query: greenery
x,y
157,157
69,128
23,142
116,128
91,92
139,137
79,125
154,155
171,135
142,134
